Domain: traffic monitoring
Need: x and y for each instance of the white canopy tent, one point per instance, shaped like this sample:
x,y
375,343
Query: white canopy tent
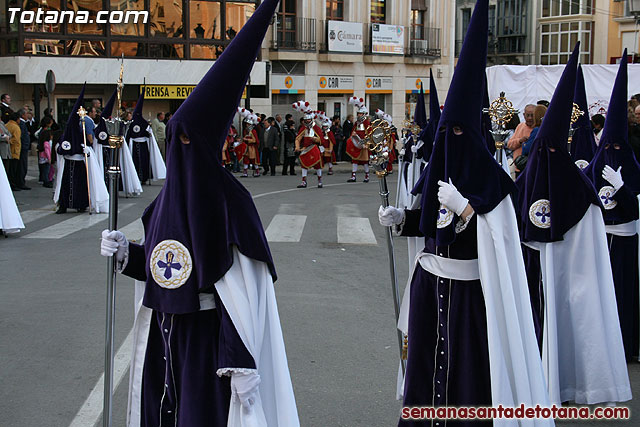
x,y
526,84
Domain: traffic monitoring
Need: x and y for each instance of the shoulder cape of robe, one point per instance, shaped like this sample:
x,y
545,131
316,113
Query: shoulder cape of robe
x,y
158,168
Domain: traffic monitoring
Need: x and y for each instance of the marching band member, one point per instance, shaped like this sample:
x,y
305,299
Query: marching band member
x,y
309,143
355,144
467,314
615,173
208,349
247,150
328,142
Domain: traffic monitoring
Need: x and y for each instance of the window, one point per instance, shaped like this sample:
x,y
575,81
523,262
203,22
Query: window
x,y
166,18
492,21
34,6
205,20
566,7
512,15
335,10
131,28
558,40
378,11
87,6
417,24
287,24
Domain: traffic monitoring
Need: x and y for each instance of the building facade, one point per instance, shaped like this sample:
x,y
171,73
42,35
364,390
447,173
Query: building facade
x,y
623,31
321,51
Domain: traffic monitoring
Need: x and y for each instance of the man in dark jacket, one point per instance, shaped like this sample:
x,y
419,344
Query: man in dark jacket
x,y
347,128
336,129
289,148
271,146
25,146
5,109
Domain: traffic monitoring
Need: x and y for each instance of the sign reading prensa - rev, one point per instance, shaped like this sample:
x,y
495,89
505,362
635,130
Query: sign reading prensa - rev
x,y
166,91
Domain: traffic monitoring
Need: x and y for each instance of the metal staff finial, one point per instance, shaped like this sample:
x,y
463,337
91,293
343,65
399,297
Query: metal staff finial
x,y
576,113
500,111
377,141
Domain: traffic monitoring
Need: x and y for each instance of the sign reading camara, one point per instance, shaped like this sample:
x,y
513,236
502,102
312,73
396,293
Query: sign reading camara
x,y
344,36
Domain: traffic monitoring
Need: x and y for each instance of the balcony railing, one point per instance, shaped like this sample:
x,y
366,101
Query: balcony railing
x,y
424,42
294,34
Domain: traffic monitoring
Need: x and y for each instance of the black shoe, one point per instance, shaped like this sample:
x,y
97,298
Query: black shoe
x,y
14,188
352,179
284,174
319,185
48,185
293,174
24,187
61,210
81,210
303,184
273,174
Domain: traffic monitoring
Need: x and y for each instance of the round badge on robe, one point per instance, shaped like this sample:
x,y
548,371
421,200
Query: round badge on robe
x,y
582,164
445,216
606,197
102,135
136,128
170,264
540,213
66,145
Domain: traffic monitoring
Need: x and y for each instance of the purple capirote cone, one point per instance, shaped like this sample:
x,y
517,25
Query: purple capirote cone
x,y
202,205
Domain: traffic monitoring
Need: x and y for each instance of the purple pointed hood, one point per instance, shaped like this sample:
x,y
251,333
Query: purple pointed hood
x,y
583,144
553,194
614,150
428,134
460,152
102,135
202,205
72,141
139,125
419,118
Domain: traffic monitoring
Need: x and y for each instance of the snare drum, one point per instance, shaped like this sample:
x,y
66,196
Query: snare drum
x,y
354,146
310,156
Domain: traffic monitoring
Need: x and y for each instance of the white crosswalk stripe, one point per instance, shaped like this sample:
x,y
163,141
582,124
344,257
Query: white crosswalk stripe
x,y
286,228
134,231
35,214
71,225
356,231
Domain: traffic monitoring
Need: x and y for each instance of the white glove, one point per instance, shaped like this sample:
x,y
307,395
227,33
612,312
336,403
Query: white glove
x,y
414,148
402,152
613,177
390,216
244,386
449,196
85,150
114,242
321,149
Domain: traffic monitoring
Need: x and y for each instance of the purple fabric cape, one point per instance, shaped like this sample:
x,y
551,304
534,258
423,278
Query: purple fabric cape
x,y
463,158
201,204
552,175
615,133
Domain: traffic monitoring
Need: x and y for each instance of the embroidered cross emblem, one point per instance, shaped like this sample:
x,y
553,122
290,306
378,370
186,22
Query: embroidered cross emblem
x,y
606,198
169,265
543,213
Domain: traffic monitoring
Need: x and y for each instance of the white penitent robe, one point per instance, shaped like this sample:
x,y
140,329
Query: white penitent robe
x,y
128,175
97,187
158,168
582,350
248,295
516,371
10,219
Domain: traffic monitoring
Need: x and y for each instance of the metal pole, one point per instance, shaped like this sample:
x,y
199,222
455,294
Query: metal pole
x,y
384,197
82,113
115,143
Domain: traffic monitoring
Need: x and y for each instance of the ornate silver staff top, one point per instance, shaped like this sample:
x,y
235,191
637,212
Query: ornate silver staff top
x,y
500,111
